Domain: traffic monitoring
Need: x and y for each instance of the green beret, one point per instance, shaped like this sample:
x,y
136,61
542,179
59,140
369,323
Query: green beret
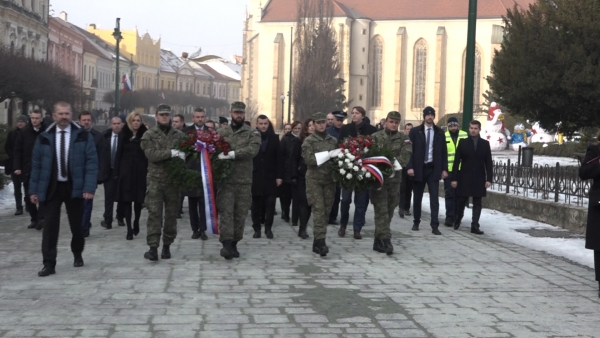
x,y
163,108
238,106
319,117
394,115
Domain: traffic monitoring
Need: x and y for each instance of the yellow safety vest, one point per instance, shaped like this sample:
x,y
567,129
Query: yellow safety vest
x,y
452,147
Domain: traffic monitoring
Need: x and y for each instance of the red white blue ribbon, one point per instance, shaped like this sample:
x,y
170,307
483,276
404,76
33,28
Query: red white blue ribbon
x,y
369,164
208,189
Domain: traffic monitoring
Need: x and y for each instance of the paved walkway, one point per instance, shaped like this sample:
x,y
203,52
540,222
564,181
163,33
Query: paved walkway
x,y
455,285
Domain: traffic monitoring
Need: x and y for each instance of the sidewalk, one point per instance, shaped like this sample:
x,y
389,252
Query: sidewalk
x,y
454,285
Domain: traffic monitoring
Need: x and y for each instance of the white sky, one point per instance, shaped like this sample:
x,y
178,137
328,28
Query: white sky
x,y
183,25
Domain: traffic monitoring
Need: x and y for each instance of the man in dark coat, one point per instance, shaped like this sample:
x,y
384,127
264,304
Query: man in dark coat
x,y
85,120
427,166
22,163
471,174
107,176
266,177
196,202
361,125
9,148
334,130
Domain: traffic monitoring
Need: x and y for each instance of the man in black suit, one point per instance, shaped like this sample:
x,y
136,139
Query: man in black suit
x,y
472,174
108,159
196,202
427,166
9,148
266,177
406,187
85,120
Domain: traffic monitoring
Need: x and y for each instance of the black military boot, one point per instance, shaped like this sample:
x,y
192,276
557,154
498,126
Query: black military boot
x,y
236,253
320,247
152,254
302,232
378,245
389,248
256,231
227,250
166,253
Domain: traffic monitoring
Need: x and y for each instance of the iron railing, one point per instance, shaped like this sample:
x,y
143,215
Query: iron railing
x,y
555,183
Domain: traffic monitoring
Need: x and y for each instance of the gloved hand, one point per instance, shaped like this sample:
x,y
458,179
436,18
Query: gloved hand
x,y
334,153
322,157
177,153
397,165
229,156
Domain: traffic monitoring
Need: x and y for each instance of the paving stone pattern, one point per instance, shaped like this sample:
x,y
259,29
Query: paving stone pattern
x,y
454,285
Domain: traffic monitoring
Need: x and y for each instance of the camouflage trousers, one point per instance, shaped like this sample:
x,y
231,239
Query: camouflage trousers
x,y
385,201
320,198
233,203
161,194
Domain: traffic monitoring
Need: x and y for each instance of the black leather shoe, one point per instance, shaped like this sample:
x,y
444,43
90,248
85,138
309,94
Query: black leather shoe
x,y
19,212
436,231
121,223
302,233
378,246
151,254
449,222
31,226
166,253
294,224
415,227
401,213
39,225
456,225
86,233
203,235
129,236
357,235
389,248
78,262
476,231
334,222
196,235
236,253
342,231
136,228
269,233
106,225
407,213
46,271
256,234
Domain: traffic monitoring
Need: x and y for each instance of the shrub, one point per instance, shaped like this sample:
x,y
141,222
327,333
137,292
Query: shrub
x,y
567,149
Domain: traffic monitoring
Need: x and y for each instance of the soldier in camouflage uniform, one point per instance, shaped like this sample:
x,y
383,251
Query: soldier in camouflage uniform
x,y
317,150
158,145
233,196
386,198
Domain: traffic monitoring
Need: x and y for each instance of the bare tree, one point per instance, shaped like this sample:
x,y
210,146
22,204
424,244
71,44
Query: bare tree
x,y
316,83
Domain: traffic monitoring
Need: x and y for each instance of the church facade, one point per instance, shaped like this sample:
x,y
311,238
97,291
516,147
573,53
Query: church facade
x,y
395,54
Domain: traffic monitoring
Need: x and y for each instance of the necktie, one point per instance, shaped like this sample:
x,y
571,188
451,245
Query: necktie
x,y
113,151
63,155
428,143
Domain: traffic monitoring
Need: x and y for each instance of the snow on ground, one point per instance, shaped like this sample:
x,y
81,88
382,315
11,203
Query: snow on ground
x,y
7,197
502,227
504,156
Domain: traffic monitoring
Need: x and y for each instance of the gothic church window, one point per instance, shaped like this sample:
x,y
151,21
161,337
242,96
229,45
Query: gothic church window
x,y
376,72
420,74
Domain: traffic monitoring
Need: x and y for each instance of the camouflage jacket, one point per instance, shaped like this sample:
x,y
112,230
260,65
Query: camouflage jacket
x,y
245,143
157,147
315,144
399,144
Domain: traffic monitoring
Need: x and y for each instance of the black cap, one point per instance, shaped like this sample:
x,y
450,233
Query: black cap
x,y
340,115
223,120
452,121
428,110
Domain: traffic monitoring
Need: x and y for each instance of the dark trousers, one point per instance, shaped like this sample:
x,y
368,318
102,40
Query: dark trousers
x,y
36,213
285,199
304,212
88,205
197,213
110,192
461,202
406,189
450,198
18,184
335,208
597,264
52,207
181,198
263,207
128,212
361,202
434,189
295,214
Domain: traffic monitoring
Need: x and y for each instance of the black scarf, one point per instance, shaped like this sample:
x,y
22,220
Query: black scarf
x,y
265,140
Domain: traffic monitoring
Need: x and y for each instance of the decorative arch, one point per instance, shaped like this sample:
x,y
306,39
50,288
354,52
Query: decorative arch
x,y
477,77
376,73
419,74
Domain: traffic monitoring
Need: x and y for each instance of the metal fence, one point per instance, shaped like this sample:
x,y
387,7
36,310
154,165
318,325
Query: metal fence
x,y
553,183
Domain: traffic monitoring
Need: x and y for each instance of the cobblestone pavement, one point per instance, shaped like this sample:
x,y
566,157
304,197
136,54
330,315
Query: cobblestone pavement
x,y
455,285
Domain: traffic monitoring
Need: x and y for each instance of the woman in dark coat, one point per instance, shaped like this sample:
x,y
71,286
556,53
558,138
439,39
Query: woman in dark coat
x,y
298,178
131,171
590,170
287,162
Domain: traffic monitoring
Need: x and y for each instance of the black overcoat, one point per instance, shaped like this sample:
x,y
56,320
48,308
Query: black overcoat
x,y
419,143
472,168
131,167
299,174
591,171
286,159
265,168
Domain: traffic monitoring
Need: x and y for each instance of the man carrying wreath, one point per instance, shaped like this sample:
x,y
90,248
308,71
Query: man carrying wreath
x,y
386,198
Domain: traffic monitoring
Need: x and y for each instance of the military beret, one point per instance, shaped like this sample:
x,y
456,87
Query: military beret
x,y
22,118
394,115
223,120
163,108
238,106
340,115
319,117
428,110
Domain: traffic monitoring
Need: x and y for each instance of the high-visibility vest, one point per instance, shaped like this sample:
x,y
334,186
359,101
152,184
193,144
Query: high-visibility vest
x,y
452,147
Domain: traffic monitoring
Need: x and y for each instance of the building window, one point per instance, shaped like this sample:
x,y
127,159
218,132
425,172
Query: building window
x,y
419,74
377,72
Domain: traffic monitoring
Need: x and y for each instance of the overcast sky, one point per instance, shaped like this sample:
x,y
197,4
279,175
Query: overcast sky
x,y
183,25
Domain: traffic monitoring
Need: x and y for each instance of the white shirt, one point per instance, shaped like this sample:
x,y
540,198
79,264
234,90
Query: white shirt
x,y
57,148
199,128
114,142
430,150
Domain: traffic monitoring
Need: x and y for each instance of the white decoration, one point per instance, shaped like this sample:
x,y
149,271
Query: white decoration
x,y
349,176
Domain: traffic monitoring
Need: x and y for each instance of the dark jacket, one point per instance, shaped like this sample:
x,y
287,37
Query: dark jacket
x,y
351,129
419,143
265,166
287,162
333,131
299,174
105,170
24,148
192,164
131,167
591,171
82,162
475,167
9,148
98,139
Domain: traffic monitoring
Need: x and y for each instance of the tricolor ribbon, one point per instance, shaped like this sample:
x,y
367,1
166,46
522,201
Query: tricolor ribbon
x,y
370,165
208,189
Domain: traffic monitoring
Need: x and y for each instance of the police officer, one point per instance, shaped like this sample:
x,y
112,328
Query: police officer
x,y
317,149
386,198
453,136
158,145
233,196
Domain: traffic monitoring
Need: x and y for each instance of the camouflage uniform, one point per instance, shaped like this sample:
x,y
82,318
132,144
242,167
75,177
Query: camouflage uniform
x,y
386,199
157,146
320,186
233,196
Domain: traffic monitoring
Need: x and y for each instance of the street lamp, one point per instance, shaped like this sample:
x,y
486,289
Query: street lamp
x,y
118,37
282,97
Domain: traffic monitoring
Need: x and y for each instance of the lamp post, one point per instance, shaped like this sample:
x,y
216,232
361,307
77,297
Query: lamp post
x,y
470,66
118,37
282,97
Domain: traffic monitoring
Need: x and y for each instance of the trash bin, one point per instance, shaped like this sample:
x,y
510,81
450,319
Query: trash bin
x,y
527,157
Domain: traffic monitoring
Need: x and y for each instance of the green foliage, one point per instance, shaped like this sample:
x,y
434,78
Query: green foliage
x,y
548,67
181,176
567,149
